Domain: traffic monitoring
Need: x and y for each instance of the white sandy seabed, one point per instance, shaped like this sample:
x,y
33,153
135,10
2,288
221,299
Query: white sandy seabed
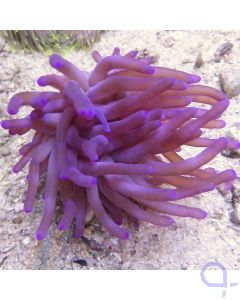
x,y
189,244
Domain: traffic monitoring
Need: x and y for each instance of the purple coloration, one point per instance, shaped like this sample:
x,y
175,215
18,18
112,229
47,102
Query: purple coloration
x,y
27,210
194,78
150,70
111,140
4,124
41,81
55,61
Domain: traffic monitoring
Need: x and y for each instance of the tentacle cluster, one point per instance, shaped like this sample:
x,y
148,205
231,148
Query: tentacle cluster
x,y
111,138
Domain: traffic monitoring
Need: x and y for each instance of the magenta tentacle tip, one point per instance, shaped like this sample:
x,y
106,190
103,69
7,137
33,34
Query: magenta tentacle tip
x,y
4,124
15,170
93,181
63,176
146,114
194,78
138,169
202,214
12,110
118,222
90,114
42,102
39,236
150,70
41,81
62,227
27,210
77,235
126,235
55,61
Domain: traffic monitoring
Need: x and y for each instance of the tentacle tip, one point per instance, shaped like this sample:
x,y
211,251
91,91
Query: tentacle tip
x,y
106,128
224,140
12,110
77,235
55,61
212,187
15,170
93,181
184,86
39,236
150,70
4,124
118,222
234,175
41,81
81,112
171,222
90,114
126,235
94,52
202,214
42,102
93,158
163,118
145,115
134,53
62,227
27,210
194,78
63,176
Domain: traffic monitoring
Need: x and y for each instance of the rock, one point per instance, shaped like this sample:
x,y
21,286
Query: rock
x,y
168,41
199,60
18,207
4,151
231,153
145,53
224,49
17,220
80,261
235,217
26,241
230,81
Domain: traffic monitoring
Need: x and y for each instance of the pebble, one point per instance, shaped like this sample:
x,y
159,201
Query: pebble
x,y
18,207
224,49
26,241
235,217
230,81
17,220
4,150
81,262
199,60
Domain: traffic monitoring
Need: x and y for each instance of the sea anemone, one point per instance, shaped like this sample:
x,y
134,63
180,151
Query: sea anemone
x,y
111,140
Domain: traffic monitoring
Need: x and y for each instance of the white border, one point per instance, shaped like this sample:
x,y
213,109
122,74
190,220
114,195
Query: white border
x,y
117,285
119,14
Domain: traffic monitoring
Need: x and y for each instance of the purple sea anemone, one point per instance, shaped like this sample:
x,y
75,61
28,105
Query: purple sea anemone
x,y
111,140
